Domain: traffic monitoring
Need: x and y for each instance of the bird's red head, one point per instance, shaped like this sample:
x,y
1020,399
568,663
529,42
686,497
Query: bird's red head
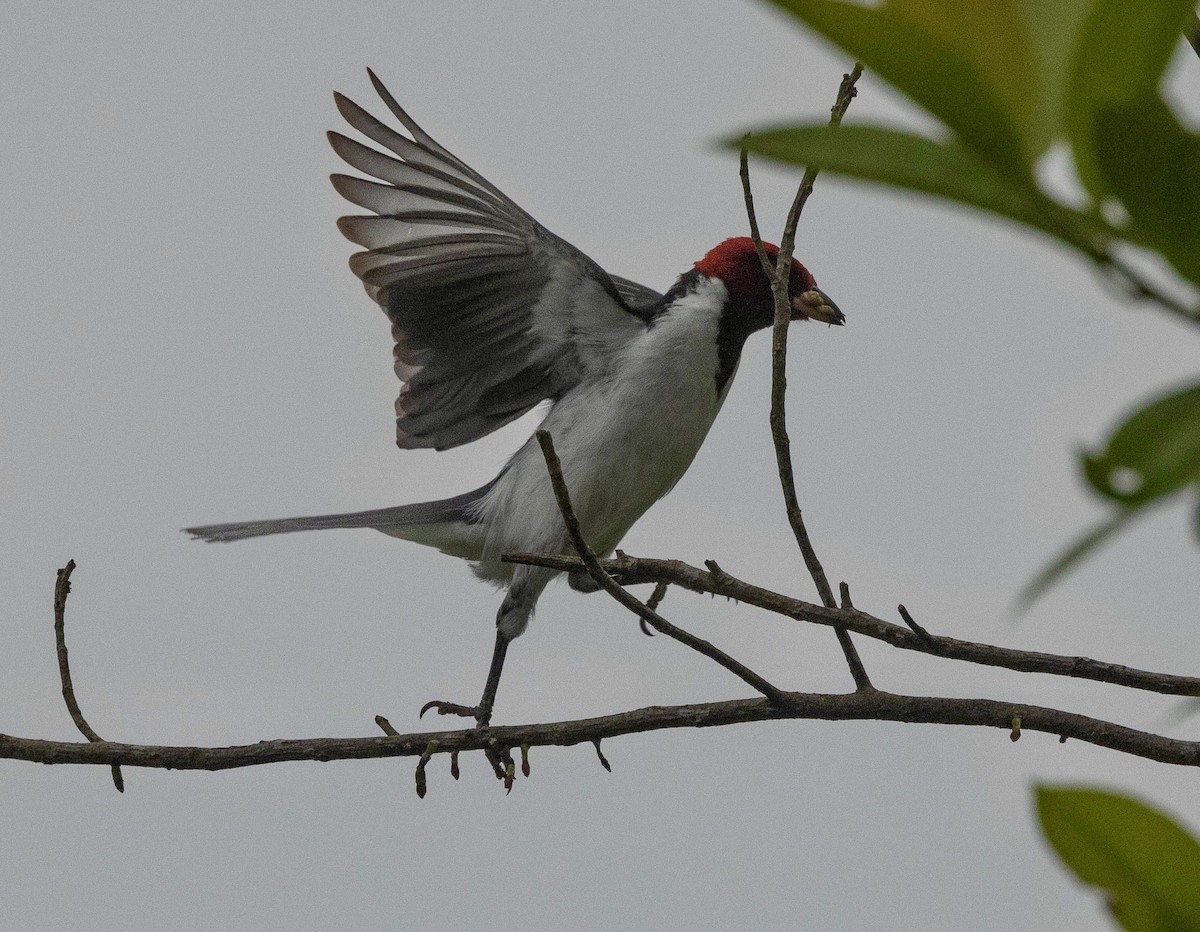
x,y
735,262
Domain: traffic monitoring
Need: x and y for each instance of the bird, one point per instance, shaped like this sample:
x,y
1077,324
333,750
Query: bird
x,y
492,315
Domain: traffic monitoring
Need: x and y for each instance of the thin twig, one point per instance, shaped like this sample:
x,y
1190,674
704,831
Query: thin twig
x,y
780,276
62,588
783,316
600,754
748,194
846,93
632,570
655,620
861,680
911,622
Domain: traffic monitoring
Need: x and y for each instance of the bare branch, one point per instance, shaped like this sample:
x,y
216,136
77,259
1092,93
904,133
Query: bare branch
x,y
783,316
497,742
748,194
859,706
846,93
600,754
780,276
62,588
857,670
632,570
911,622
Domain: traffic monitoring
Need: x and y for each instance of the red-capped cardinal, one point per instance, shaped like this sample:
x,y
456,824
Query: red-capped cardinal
x,y
491,314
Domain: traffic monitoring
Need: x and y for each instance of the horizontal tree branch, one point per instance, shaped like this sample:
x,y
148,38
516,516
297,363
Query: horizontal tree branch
x,y
498,742
632,570
859,706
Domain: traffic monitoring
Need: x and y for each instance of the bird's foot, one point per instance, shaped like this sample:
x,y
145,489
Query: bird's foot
x,y
481,715
581,581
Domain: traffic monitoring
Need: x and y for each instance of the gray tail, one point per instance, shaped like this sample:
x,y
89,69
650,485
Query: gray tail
x,y
388,520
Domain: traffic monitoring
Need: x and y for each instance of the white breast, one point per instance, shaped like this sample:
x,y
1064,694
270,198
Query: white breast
x,y
624,439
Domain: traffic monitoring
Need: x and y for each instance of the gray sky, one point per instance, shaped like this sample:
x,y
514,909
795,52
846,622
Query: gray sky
x,y
184,344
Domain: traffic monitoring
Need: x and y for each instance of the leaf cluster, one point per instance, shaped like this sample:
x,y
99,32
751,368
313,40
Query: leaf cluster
x,y
1009,81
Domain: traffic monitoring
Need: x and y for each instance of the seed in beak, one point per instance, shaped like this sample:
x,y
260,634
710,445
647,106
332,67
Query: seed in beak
x,y
816,305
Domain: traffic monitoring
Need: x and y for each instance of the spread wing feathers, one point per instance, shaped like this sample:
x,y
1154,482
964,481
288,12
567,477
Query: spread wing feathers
x,y
491,313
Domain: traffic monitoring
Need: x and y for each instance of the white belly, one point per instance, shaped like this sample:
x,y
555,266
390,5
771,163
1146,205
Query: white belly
x,y
623,444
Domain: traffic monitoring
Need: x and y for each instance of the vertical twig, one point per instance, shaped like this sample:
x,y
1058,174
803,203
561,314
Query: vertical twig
x,y
744,171
780,274
62,588
783,316
857,670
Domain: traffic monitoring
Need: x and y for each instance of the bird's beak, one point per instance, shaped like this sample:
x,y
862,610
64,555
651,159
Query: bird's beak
x,y
817,305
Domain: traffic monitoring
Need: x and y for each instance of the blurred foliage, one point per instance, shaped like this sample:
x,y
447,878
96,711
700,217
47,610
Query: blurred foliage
x,y
1008,80
1146,864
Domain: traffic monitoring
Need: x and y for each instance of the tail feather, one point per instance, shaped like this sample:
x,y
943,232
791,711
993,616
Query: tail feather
x,y
394,521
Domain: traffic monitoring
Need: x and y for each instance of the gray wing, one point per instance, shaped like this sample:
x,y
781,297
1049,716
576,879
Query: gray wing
x,y
491,313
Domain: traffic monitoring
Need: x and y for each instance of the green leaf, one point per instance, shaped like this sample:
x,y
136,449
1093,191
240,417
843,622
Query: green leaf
x,y
1021,50
1150,162
1120,57
1071,557
933,65
1154,453
943,169
1052,27
1147,865
994,40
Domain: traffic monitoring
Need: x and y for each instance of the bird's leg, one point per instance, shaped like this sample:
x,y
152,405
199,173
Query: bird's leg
x,y
482,713
581,581
511,621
